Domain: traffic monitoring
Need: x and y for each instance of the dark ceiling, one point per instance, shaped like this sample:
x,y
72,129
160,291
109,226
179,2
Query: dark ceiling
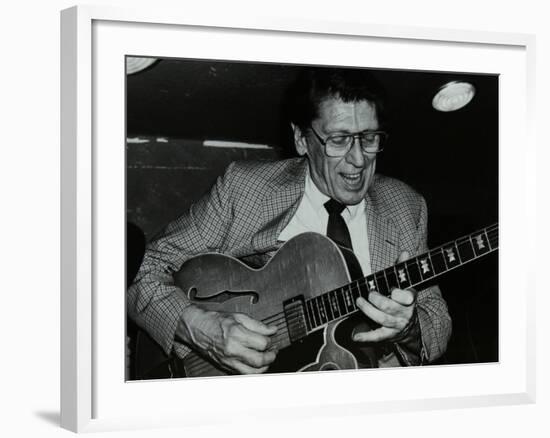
x,y
242,101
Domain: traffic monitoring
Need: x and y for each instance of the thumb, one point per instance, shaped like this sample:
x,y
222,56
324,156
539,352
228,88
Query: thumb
x,y
402,257
255,325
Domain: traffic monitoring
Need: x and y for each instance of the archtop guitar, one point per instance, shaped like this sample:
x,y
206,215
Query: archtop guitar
x,y
308,291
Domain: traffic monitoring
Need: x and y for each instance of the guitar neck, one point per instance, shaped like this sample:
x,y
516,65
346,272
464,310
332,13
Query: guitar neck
x,y
303,316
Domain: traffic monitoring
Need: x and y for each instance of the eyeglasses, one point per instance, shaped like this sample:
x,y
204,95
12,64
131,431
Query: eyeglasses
x,y
338,145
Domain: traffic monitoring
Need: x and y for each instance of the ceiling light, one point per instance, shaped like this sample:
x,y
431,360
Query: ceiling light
x,y
453,96
134,64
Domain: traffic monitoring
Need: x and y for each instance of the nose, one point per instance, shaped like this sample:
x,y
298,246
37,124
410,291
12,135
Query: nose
x,y
355,155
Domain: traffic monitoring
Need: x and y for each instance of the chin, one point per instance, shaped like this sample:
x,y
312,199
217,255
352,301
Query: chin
x,y
351,193
352,199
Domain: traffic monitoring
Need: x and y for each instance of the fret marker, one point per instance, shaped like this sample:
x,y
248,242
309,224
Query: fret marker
x,y
402,275
479,241
349,302
372,286
322,310
334,303
424,266
450,254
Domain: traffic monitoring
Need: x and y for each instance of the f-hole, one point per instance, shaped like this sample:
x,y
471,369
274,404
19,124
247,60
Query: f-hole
x,y
223,296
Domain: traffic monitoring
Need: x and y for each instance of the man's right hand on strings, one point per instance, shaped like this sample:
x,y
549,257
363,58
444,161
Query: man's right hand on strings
x,y
235,341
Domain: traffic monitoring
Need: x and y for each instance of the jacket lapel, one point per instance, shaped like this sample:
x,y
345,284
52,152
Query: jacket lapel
x,y
277,208
382,233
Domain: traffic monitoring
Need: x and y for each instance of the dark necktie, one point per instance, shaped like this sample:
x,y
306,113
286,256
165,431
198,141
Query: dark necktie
x,y
337,229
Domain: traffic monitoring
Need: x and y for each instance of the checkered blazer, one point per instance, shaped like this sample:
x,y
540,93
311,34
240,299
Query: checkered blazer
x,y
244,214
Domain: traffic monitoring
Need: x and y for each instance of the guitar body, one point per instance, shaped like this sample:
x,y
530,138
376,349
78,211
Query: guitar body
x,y
307,265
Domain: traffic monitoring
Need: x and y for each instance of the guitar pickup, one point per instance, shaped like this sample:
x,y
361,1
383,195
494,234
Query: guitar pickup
x,y
295,316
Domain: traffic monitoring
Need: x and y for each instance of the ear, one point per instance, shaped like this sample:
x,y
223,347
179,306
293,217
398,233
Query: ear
x,y
300,142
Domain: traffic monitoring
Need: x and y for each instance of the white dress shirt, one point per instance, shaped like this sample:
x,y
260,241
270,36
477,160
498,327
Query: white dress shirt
x,y
311,215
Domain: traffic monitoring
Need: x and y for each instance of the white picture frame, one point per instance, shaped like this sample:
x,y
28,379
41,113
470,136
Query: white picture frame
x,y
94,396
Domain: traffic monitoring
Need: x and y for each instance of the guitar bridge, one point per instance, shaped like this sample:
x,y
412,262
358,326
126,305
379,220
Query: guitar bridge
x,y
295,317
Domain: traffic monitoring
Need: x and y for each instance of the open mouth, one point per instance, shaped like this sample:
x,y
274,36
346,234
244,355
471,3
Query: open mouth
x,y
352,178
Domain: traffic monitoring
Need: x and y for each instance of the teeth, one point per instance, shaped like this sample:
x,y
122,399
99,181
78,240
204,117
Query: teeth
x,y
354,176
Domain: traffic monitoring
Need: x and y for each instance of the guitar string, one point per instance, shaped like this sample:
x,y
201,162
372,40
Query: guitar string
x,y
280,318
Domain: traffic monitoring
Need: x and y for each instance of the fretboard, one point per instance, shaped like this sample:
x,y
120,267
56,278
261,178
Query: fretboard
x,y
340,302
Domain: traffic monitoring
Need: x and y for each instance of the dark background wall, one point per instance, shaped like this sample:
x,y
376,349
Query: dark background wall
x,y
451,158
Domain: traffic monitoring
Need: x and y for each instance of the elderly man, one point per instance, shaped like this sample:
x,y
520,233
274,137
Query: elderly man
x,y
337,116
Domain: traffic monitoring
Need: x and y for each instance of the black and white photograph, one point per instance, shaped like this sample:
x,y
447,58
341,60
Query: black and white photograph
x,y
286,218
255,219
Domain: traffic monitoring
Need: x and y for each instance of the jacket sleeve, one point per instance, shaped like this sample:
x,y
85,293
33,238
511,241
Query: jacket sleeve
x,y
153,301
434,321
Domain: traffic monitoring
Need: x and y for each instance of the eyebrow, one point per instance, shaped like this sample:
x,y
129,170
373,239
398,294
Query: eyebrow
x,y
348,132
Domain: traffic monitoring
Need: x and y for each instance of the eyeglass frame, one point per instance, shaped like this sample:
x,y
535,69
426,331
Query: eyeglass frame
x,y
354,136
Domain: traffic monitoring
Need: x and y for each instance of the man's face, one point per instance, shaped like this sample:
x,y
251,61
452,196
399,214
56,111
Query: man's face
x,y
345,179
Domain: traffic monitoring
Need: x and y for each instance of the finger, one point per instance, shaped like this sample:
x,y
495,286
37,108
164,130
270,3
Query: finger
x,y
375,314
243,368
254,358
385,304
403,297
255,325
403,257
251,339
378,335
